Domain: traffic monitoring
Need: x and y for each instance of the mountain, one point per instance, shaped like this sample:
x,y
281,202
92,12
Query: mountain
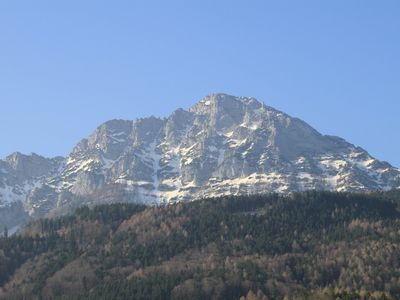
x,y
311,245
223,145
19,175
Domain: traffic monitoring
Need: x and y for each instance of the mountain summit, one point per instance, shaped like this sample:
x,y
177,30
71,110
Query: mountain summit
x,y
222,145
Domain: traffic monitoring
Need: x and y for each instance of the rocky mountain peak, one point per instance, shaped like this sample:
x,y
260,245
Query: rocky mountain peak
x,y
222,145
30,166
17,159
146,130
109,138
224,103
224,112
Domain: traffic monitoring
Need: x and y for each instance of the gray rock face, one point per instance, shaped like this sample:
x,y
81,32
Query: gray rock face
x,y
222,145
19,175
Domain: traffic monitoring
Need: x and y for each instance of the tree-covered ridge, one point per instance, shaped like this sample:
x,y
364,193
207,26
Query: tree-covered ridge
x,y
313,245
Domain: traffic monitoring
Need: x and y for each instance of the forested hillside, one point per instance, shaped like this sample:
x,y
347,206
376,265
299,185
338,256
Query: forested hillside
x,y
313,245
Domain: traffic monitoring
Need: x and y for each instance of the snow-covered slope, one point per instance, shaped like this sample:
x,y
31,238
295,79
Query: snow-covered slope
x,y
222,145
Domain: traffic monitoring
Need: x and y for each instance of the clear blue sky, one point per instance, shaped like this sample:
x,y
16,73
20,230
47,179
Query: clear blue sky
x,y
67,66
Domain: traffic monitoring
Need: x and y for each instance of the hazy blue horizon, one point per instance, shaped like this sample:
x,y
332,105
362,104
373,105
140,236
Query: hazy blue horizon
x,y
65,68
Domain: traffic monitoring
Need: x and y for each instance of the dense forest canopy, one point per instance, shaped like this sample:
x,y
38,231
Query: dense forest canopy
x,y
312,245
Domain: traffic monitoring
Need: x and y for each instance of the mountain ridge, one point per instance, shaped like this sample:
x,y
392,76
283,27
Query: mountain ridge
x,y
222,145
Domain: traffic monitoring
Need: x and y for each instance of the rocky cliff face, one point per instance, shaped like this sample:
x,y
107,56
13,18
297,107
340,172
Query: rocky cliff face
x,y
19,175
222,145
